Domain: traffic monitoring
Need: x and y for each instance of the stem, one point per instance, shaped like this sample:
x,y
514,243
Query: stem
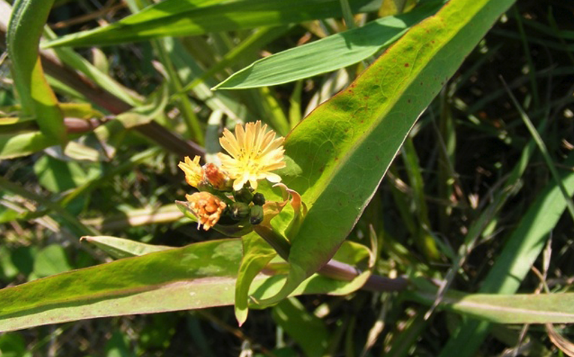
x,y
333,269
383,283
275,240
340,271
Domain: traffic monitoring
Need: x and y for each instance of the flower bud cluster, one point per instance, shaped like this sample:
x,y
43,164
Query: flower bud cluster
x,y
248,205
227,192
217,202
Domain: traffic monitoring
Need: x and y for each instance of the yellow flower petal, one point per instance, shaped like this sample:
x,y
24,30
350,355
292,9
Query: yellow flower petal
x,y
193,171
253,153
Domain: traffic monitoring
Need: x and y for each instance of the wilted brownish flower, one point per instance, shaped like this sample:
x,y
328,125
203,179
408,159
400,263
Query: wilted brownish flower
x,y
207,208
217,178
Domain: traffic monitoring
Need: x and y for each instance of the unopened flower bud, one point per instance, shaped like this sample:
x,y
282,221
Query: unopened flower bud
x,y
206,207
239,210
256,215
217,178
258,199
244,195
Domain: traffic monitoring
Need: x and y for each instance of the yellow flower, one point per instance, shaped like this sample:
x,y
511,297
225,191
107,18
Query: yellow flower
x,y
255,152
206,207
193,171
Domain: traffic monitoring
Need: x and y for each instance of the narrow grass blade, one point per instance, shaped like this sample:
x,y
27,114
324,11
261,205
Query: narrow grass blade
x,y
74,60
422,227
195,17
328,54
131,218
559,341
544,150
254,42
477,228
69,220
515,260
276,116
167,52
347,14
188,68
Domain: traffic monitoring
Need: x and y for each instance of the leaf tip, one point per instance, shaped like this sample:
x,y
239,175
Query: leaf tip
x,y
241,316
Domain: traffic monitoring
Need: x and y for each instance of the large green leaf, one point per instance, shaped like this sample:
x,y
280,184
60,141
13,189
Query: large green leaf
x,y
196,276
344,147
328,54
196,17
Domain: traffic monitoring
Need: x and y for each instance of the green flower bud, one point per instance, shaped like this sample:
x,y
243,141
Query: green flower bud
x,y
244,195
238,210
258,199
256,215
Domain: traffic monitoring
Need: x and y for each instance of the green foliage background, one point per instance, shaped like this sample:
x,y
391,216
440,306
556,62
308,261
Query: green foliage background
x,y
468,183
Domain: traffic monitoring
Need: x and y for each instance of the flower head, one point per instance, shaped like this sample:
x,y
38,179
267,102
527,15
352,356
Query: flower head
x,y
193,171
207,207
253,153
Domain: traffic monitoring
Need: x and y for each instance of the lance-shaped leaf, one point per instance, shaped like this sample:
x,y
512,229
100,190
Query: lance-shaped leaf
x,y
123,248
345,146
256,255
196,17
507,309
21,144
22,38
328,54
196,276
